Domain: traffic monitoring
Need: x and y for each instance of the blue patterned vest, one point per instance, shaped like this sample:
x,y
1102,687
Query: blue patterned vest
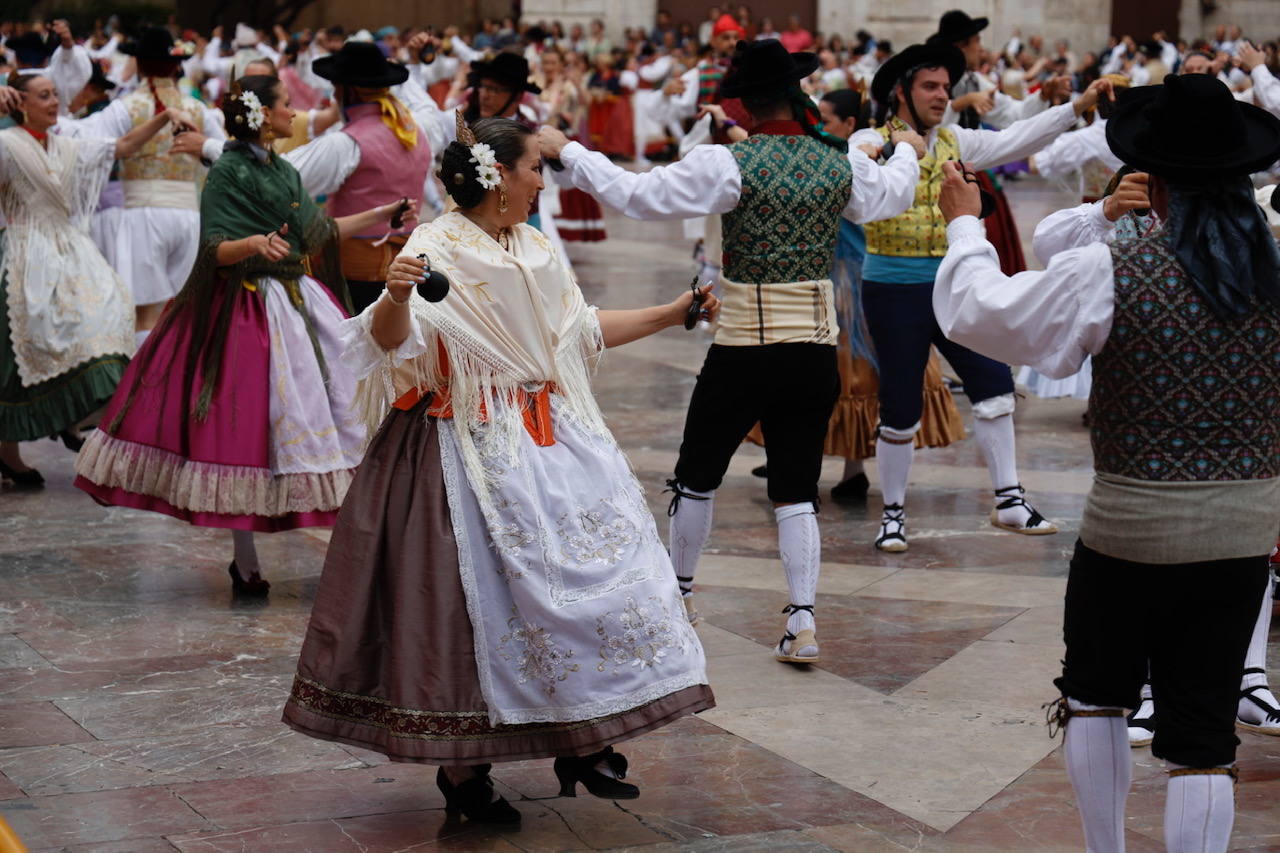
x,y
1180,394
785,226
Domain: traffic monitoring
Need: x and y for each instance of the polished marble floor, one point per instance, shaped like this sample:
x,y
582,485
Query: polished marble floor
x,y
140,705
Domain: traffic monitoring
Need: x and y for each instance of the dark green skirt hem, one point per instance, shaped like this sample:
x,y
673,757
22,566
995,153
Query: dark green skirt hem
x,y
59,403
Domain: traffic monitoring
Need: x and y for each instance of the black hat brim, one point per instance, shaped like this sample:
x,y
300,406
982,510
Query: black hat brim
x,y
928,55
733,86
388,74
1257,148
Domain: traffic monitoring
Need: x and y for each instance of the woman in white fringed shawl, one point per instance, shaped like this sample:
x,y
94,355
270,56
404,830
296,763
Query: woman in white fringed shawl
x,y
495,588
66,333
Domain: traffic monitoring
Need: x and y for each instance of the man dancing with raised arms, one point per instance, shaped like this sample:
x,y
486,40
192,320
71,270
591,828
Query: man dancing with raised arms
x,y
903,254
781,193
1184,328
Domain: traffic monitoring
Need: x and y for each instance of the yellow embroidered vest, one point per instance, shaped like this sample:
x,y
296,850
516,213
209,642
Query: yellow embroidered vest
x,y
921,232
153,177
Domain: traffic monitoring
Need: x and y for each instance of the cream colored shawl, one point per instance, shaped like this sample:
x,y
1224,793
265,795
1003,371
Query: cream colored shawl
x,y
514,320
66,304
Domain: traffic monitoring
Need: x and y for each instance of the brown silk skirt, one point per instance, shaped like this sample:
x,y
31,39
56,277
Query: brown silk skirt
x,y
851,432
388,663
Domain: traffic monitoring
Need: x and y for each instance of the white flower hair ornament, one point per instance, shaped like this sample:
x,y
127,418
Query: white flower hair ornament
x,y
253,108
486,165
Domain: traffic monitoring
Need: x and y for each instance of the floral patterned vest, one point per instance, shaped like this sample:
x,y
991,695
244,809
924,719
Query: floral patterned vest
x,y
794,189
1180,394
921,232
153,162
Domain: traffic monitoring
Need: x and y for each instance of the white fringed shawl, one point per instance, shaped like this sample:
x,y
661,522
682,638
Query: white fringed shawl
x,y
66,304
514,320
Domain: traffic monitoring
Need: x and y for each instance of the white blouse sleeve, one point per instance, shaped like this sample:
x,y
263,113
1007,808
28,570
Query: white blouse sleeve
x,y
325,163
882,192
1050,320
706,181
984,149
1266,89
1070,229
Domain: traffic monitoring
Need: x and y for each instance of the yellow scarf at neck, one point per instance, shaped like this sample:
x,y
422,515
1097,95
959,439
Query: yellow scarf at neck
x,y
396,117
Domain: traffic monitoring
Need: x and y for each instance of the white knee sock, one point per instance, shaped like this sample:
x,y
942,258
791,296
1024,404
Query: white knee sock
x,y
894,451
1256,659
1199,810
801,549
995,437
1100,767
690,526
246,555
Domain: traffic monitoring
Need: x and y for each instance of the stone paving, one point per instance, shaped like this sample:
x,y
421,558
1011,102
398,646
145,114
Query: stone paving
x,y
140,704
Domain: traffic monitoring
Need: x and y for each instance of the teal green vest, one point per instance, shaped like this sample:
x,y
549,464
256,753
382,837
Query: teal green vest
x,y
785,226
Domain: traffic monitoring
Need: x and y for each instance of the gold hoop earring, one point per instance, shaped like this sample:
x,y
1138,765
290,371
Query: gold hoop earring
x,y
502,198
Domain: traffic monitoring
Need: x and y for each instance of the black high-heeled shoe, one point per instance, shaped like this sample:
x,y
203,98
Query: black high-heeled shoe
x,y
571,771
28,479
255,586
476,799
70,439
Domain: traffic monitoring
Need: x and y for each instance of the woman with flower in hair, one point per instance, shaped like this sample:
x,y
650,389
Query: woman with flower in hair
x,y
495,589
235,412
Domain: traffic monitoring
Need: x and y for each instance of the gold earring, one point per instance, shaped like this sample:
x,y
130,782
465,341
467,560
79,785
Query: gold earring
x,y
502,198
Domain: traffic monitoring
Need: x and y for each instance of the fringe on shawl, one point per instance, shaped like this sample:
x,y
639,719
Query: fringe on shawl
x,y
483,390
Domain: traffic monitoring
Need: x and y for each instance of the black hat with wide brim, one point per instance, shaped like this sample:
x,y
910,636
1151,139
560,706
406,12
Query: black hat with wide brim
x,y
764,68
936,55
955,26
1192,130
155,43
509,69
360,63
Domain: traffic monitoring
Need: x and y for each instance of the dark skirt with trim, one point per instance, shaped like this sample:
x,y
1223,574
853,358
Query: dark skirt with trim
x,y
37,411
388,663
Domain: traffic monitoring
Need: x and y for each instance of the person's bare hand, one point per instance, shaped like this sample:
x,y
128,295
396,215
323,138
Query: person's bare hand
x,y
274,247
958,197
1056,90
551,142
217,31
680,307
62,30
190,142
982,102
403,276
870,150
10,99
1132,193
1098,89
1250,57
912,138
675,86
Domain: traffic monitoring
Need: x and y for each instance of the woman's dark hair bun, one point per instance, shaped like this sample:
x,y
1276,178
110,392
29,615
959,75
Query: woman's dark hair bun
x,y
458,173
269,91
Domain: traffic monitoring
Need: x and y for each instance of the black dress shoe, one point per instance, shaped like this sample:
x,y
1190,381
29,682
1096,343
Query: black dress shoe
x,y
70,439
28,479
852,490
254,587
571,771
476,799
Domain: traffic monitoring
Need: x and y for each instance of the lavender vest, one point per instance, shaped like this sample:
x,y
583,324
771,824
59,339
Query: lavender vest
x,y
1180,394
387,172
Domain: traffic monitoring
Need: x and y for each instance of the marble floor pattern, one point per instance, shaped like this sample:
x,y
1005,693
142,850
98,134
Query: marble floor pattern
x,y
140,704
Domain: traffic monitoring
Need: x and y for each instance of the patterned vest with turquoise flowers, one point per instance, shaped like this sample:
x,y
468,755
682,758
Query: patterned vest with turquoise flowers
x,y
921,232
788,217
1180,394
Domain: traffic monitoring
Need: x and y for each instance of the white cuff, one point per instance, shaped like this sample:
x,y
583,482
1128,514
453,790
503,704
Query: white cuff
x,y
1260,73
1099,216
363,355
571,152
212,149
965,228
